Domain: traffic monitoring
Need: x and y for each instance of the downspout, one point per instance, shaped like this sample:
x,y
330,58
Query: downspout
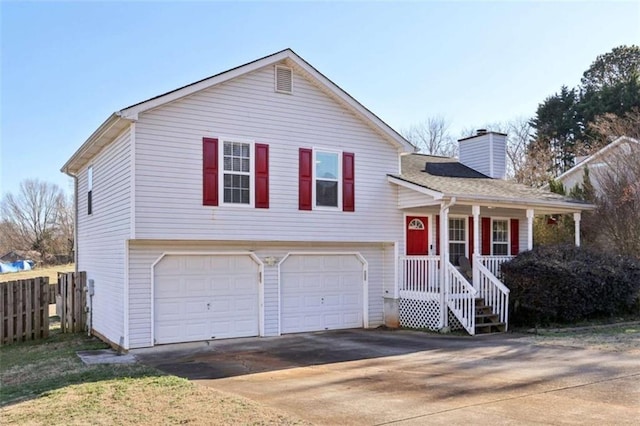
x,y
444,260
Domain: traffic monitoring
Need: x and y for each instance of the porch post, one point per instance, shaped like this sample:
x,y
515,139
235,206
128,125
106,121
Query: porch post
x,y
530,215
475,211
444,259
576,219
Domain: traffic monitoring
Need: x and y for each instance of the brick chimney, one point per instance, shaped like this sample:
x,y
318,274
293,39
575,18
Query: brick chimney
x,y
486,152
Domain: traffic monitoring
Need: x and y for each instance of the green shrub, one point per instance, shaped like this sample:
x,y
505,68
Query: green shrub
x,y
565,284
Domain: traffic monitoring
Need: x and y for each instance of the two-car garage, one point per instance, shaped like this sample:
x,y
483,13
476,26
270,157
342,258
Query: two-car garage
x,y
203,296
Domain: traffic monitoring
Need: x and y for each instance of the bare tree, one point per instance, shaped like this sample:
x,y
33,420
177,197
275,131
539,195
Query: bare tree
x,y
618,201
518,138
432,137
608,127
535,170
32,216
64,230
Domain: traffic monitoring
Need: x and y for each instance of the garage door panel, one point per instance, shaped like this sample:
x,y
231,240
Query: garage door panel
x,y
198,297
321,292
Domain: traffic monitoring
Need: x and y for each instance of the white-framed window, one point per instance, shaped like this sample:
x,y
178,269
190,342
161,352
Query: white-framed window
x,y
237,171
500,237
90,190
327,178
457,239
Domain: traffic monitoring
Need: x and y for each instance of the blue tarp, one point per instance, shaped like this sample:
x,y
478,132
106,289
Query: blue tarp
x,y
20,265
6,267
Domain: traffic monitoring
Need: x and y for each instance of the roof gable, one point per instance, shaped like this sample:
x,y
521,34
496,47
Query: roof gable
x,y
118,121
602,152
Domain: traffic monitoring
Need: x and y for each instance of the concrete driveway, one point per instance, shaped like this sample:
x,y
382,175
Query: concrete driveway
x,y
374,377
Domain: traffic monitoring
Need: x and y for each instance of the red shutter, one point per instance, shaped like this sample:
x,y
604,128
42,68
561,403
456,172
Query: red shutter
x,y
209,172
348,182
486,236
437,234
470,238
262,176
305,178
515,237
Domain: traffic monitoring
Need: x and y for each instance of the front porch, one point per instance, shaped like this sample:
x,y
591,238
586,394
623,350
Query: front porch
x,y
449,276
439,298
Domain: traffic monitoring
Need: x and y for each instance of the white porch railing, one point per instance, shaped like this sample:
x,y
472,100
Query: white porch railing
x,y
494,293
460,297
492,263
419,275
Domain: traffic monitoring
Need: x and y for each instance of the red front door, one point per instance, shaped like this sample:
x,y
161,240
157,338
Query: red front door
x,y
417,235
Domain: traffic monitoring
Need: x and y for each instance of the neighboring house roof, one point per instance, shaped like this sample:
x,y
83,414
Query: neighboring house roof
x,y
444,177
601,153
119,120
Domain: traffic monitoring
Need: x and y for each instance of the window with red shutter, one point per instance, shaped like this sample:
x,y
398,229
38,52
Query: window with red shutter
x,y
348,182
438,234
486,236
515,237
262,176
209,172
235,172
305,177
471,238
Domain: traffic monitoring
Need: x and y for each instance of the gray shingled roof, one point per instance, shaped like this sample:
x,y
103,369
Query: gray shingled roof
x,y
455,179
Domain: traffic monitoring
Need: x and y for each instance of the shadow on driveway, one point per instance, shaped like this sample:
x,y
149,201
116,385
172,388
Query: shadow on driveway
x,y
235,357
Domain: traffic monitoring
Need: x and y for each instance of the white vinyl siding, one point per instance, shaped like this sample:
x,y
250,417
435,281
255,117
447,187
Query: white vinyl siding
x,y
408,198
169,165
142,254
485,154
102,235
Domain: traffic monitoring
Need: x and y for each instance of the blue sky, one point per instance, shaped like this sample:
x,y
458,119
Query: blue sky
x,y
67,65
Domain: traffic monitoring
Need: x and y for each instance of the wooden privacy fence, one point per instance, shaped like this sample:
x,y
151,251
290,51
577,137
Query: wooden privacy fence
x,y
25,310
72,295
24,306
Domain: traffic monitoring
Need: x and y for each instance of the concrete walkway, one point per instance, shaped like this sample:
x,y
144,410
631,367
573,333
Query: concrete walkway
x,y
374,377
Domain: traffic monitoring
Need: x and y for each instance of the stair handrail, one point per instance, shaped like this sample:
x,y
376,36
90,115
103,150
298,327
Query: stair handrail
x,y
461,298
494,293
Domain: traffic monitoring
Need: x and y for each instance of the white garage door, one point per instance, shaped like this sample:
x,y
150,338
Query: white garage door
x,y
321,292
204,297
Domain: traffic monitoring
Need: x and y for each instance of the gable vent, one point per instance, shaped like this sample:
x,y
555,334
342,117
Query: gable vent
x,y
284,79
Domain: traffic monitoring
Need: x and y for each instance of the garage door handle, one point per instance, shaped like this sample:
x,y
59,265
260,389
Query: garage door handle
x,y
208,306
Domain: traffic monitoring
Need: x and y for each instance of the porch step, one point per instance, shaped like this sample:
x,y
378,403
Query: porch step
x,y
487,321
490,327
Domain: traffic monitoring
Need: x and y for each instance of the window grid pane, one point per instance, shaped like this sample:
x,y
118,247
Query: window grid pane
x,y
457,239
237,172
237,157
326,193
500,231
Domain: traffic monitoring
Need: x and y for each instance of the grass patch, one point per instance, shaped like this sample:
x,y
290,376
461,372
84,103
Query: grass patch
x,y
45,383
35,367
51,272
